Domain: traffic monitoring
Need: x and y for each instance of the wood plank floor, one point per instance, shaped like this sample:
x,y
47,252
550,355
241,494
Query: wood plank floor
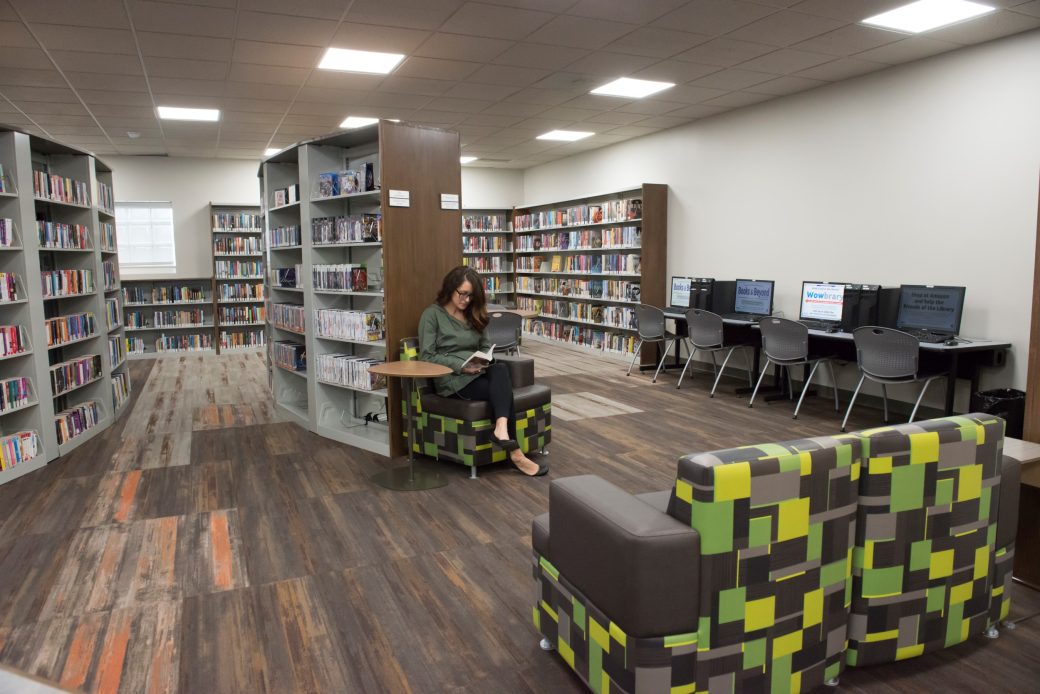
x,y
201,545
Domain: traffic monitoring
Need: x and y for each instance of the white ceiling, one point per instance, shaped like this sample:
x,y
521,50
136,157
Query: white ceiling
x,y
499,72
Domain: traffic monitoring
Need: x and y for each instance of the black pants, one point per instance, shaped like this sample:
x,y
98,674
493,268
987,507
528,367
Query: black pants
x,y
495,386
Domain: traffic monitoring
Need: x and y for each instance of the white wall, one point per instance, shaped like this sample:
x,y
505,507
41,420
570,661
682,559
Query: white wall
x,y
491,188
923,173
190,184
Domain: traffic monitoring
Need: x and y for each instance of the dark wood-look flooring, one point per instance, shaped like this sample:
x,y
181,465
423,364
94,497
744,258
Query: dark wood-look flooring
x,y
202,546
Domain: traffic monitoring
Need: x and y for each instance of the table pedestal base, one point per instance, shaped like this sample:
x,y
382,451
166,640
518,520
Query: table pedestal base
x,y
415,476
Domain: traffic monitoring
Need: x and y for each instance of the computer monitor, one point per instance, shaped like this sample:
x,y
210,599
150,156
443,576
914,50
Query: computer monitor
x,y
937,309
822,301
754,296
680,296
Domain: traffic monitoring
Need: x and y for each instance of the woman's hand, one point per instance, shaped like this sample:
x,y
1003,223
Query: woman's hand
x,y
473,368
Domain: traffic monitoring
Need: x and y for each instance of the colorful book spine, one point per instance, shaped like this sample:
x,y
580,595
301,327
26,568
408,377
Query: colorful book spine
x,y
8,287
289,355
348,277
184,343
108,237
19,448
288,316
72,422
15,393
242,291
120,389
66,236
184,318
230,315
242,339
135,345
240,221
111,270
60,188
112,313
106,201
116,351
69,328
287,236
12,340
348,370
356,326
72,374
58,283
237,245
236,269
359,228
484,223
6,232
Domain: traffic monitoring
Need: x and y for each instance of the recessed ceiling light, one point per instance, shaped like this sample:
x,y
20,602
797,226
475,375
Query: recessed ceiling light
x,y
925,15
466,160
369,62
352,122
565,135
176,113
632,88
270,151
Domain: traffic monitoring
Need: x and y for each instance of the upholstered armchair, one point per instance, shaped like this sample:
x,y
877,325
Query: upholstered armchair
x,y
460,430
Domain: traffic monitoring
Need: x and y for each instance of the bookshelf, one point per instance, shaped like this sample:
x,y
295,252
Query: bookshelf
x,y
585,264
62,377
487,246
170,317
238,272
354,278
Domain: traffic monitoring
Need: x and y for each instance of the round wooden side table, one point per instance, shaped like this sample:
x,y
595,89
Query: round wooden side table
x,y
408,478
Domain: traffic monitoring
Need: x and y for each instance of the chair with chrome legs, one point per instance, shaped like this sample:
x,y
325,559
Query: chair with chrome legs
x,y
650,328
704,334
786,344
887,356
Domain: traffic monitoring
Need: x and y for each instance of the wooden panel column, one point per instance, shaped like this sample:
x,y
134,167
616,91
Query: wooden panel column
x,y
1032,422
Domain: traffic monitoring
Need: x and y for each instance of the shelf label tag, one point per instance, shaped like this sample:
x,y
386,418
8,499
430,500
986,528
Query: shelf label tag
x,y
399,198
449,201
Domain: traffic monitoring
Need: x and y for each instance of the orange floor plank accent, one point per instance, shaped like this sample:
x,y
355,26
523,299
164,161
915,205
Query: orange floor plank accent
x,y
110,668
126,496
221,543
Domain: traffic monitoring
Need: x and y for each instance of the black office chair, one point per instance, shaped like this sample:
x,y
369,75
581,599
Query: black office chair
x,y
888,356
786,344
650,328
503,331
704,334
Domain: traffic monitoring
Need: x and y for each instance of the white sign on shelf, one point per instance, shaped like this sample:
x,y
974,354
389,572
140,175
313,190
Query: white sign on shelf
x,y
399,198
449,201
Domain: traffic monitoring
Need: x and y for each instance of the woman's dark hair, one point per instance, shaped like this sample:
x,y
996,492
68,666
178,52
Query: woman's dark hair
x,y
476,312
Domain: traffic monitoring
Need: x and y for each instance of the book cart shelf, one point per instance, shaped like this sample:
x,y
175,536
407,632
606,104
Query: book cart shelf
x,y
238,275
348,274
487,246
585,264
63,377
168,317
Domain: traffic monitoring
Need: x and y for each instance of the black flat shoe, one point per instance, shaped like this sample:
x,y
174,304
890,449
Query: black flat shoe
x,y
506,445
543,469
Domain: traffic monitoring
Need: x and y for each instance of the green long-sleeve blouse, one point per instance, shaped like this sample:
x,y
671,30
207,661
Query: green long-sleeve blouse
x,y
449,342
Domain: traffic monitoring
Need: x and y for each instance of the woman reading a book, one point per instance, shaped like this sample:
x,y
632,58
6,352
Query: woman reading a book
x,y
450,331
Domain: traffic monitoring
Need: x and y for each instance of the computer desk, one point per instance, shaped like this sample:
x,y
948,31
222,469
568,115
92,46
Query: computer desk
x,y
963,360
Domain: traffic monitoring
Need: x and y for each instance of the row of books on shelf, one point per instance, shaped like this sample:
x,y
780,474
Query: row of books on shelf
x,y
243,339
488,263
353,228
71,374
240,291
190,342
288,316
242,314
166,294
358,326
484,223
106,200
237,221
486,244
74,421
166,319
13,340
64,329
60,188
350,277
285,236
287,196
120,389
116,351
15,393
6,232
108,237
111,270
584,239
58,283
613,290
8,286
112,314
348,370
61,235
497,284
238,244
618,263
609,316
238,269
358,179
19,448
605,340
606,211
289,355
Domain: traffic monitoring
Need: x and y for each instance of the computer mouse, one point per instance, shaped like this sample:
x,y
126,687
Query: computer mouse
x,y
950,343
834,329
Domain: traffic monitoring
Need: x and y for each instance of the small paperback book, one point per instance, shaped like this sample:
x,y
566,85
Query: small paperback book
x,y
481,358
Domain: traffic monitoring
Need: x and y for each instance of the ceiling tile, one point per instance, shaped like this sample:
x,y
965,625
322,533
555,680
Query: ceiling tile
x,y
713,17
55,120
508,75
318,9
848,10
474,90
580,32
281,28
690,94
1030,8
29,78
541,125
316,108
319,123
539,55
657,42
572,82
840,69
415,14
91,80
598,102
542,97
677,71
189,20
512,108
663,122
440,119
616,118
53,94
179,46
123,111
785,61
625,10
568,113
209,91
913,48
495,21
15,35
77,13
788,84
282,54
738,99
97,63
986,28
414,85
179,68
11,56
248,89
95,97
345,80
632,131
41,108
264,74
389,100
650,107
457,105
453,47
724,52
436,68
82,38
609,66
848,40
366,37
733,78
784,28
492,120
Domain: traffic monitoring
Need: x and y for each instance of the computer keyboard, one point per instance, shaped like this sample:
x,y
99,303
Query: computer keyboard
x,y
753,317
927,336
818,324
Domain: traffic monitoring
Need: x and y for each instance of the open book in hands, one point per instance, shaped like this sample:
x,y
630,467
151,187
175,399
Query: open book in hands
x,y
480,359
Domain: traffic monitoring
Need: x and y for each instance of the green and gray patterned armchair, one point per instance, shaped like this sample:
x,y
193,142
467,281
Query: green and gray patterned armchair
x,y
460,430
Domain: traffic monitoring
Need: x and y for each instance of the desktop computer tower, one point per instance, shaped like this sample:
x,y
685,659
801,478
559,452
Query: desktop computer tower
x,y
701,292
860,306
723,296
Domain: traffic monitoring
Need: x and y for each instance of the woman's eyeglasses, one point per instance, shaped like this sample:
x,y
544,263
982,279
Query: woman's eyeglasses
x,y
465,296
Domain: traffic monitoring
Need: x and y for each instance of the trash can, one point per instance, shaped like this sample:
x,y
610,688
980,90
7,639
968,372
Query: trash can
x,y
1008,403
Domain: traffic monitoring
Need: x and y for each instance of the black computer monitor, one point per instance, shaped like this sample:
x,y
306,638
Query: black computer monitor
x,y
680,295
754,296
937,309
822,301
